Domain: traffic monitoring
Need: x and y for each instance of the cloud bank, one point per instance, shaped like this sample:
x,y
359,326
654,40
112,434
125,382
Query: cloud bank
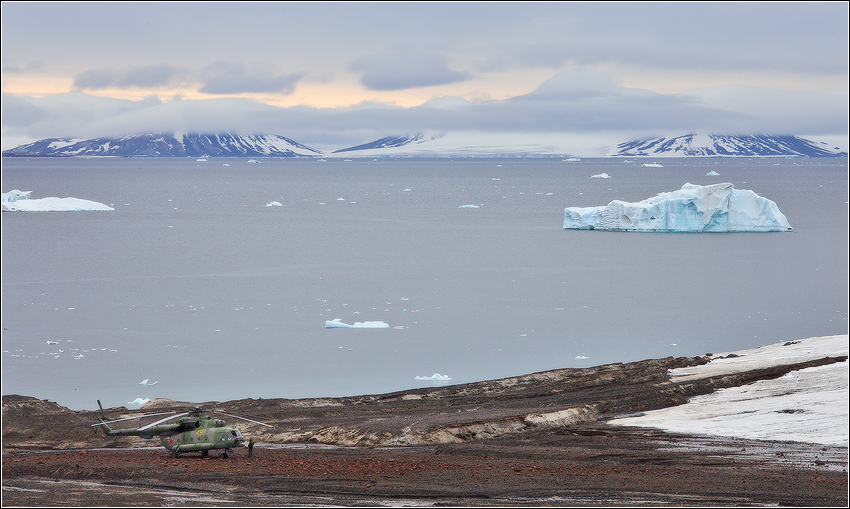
x,y
576,101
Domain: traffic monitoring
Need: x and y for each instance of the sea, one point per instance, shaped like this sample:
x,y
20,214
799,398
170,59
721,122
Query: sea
x,y
213,280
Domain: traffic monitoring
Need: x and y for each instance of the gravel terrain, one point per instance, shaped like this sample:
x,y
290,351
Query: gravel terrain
x,y
535,440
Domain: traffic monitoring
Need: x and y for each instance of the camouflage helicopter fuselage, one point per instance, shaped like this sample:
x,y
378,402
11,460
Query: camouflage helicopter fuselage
x,y
187,434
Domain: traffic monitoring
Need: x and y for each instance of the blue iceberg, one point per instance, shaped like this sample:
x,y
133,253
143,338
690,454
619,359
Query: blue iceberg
x,y
694,208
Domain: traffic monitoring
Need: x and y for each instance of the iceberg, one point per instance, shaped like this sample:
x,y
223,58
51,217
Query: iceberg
x,y
600,176
274,204
337,323
138,401
694,208
16,200
712,173
468,206
435,377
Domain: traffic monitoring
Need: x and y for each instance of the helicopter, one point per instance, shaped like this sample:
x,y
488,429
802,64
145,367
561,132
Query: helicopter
x,y
192,432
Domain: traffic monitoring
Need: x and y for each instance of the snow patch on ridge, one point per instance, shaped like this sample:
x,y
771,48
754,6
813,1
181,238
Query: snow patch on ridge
x,y
807,405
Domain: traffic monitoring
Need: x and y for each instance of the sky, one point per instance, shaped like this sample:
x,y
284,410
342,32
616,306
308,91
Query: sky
x,y
333,75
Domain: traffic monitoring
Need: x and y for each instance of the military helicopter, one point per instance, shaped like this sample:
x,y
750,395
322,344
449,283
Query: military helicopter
x,y
192,432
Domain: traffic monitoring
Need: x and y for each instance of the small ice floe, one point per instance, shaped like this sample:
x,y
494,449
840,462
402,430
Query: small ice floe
x,y
16,200
337,323
138,401
145,382
582,357
225,164
52,342
253,161
274,204
712,173
79,356
468,207
600,176
200,160
652,165
436,377
572,160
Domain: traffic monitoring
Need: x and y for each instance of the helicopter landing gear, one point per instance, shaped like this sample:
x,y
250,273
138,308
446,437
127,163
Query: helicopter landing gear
x,y
222,455
175,454
205,452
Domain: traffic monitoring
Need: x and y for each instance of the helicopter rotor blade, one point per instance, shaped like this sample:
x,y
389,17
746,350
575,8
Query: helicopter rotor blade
x,y
161,421
246,419
109,421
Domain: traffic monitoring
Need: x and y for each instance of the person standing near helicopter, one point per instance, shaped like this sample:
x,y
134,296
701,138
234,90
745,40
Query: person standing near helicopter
x,y
250,447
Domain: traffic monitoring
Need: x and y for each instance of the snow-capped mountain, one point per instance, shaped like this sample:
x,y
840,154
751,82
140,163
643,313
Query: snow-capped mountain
x,y
393,142
727,145
452,144
169,145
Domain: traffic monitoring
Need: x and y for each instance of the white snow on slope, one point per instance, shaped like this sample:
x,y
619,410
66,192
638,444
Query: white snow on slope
x,y
807,405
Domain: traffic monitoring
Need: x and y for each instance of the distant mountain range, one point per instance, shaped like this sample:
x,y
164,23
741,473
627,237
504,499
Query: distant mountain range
x,y
169,145
717,145
392,142
419,144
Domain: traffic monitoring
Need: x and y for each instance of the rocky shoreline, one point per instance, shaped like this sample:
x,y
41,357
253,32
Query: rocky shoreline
x,y
538,439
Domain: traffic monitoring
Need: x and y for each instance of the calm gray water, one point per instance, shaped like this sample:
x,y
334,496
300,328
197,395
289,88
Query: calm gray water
x,y
195,283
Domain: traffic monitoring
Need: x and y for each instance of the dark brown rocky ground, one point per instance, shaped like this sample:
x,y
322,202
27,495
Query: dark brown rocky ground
x,y
540,439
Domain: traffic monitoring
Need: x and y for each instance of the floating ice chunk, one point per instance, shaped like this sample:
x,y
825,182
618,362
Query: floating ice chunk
x,y
138,401
468,207
652,165
582,357
52,342
713,208
435,377
337,323
712,173
200,159
253,161
145,382
20,201
572,160
274,204
600,176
